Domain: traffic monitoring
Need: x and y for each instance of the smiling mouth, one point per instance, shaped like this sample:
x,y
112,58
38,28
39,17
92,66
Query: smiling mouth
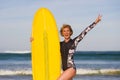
x,y
66,35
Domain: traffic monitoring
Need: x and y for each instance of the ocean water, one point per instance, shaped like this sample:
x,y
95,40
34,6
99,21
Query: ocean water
x,y
91,65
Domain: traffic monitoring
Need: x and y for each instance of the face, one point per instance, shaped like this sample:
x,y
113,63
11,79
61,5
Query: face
x,y
66,33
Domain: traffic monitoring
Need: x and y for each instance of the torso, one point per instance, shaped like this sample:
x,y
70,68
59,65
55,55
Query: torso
x,y
64,48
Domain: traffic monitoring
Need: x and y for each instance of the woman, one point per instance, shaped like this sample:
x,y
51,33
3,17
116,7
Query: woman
x,y
68,47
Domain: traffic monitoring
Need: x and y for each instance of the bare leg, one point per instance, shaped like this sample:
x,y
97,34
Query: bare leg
x,y
68,74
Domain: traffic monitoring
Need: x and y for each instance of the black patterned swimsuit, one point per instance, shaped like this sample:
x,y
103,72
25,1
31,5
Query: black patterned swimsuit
x,y
68,48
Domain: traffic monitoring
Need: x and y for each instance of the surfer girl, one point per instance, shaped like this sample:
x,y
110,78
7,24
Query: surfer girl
x,y
68,47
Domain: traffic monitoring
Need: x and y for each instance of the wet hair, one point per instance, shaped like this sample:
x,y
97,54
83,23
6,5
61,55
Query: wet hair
x,y
66,26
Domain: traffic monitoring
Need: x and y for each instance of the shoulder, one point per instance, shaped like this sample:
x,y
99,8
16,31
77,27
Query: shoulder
x,y
61,42
75,38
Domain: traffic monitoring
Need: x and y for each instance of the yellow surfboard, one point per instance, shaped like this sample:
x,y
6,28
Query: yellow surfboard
x,y
45,46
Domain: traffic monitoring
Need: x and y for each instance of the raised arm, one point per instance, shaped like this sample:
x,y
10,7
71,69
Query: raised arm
x,y
84,32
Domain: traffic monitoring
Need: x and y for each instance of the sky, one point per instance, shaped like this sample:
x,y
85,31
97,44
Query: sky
x,y
16,17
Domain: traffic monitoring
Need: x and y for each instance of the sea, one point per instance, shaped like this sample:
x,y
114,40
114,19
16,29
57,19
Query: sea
x,y
91,65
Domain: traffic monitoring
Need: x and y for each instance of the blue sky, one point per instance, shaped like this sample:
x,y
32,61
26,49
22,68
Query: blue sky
x,y
16,18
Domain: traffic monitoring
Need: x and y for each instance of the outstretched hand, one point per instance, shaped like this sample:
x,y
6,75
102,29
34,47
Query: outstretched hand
x,y
98,19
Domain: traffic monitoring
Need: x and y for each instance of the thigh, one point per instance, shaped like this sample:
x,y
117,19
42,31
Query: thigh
x,y
68,74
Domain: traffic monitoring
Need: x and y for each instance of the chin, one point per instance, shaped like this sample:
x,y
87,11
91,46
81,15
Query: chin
x,y
67,37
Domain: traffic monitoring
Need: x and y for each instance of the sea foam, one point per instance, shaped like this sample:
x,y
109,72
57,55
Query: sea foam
x,y
19,52
18,72
98,72
79,72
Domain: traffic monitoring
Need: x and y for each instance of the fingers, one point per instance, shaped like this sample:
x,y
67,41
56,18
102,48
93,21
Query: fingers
x,y
31,39
98,18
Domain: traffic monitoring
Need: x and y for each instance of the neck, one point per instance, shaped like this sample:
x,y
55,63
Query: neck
x,y
66,40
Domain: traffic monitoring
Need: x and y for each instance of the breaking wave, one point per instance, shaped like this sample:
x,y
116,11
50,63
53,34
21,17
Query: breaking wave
x,y
19,52
17,72
98,72
79,72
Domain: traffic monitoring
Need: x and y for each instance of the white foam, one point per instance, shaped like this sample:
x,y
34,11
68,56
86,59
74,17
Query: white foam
x,y
101,71
18,72
26,51
79,72
86,71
